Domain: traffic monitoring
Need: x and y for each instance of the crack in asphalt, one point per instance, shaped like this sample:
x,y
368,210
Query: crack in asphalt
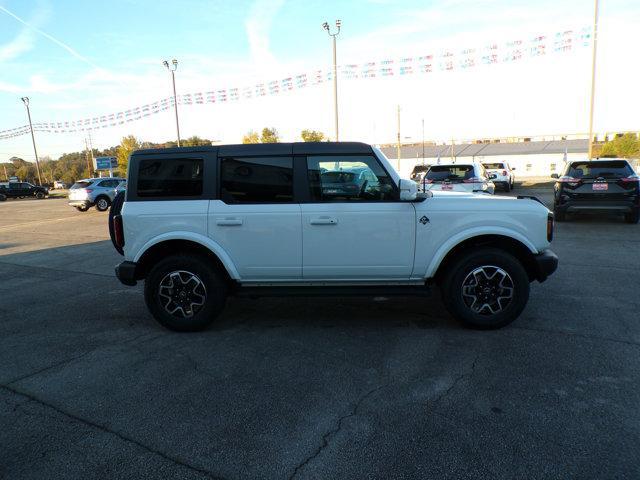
x,y
461,376
578,334
326,437
119,435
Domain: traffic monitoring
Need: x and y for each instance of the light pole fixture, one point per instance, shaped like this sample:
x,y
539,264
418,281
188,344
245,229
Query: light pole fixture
x,y
333,36
25,100
172,68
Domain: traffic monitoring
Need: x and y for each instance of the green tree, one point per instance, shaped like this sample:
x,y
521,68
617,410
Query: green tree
x,y
127,146
269,135
624,146
312,136
195,141
251,137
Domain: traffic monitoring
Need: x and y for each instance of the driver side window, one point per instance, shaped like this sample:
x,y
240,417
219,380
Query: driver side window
x,y
345,178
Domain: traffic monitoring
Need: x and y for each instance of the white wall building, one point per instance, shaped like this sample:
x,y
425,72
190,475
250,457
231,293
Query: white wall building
x,y
530,159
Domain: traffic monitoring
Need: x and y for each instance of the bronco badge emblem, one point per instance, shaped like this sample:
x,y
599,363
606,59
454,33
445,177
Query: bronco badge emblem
x,y
424,220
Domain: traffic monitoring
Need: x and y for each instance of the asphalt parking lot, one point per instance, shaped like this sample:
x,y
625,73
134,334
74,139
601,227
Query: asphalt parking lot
x,y
92,387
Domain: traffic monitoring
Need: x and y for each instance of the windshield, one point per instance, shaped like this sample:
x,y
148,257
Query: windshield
x,y
453,173
81,184
609,169
493,166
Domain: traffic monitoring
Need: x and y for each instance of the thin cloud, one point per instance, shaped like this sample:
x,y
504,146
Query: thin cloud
x,y
258,25
23,42
50,37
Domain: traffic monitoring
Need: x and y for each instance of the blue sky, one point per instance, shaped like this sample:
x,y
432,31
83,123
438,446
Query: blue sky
x,y
82,58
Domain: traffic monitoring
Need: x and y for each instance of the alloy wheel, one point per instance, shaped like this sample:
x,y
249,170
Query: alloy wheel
x,y
487,290
182,293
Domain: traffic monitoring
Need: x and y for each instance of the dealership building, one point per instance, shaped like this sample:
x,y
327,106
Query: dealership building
x,y
529,158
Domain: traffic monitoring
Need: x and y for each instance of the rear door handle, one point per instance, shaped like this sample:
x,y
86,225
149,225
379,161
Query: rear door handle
x,y
323,221
228,222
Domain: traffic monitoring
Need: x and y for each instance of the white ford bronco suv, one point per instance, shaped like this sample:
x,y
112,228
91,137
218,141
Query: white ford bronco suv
x,y
198,224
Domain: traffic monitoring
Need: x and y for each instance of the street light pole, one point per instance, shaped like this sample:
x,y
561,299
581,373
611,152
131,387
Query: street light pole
x,y
593,77
398,145
172,69
333,36
25,100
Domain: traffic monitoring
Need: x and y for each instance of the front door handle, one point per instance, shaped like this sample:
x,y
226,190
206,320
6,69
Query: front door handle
x,y
228,222
323,221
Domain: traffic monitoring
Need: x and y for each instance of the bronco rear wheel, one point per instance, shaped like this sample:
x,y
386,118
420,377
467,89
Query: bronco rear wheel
x,y
185,293
487,288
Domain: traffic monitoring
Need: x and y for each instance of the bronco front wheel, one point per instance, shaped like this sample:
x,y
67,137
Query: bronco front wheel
x,y
487,288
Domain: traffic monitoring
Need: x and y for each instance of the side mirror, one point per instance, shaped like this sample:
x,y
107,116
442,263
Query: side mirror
x,y
408,190
555,175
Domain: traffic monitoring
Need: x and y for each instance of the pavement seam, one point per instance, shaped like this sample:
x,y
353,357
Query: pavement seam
x,y
581,335
332,432
77,357
58,270
105,429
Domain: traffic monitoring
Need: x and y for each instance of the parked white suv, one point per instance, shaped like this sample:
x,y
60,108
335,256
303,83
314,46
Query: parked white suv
x,y
502,174
458,177
199,224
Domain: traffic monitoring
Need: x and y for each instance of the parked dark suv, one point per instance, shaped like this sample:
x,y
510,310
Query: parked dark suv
x,y
21,190
607,185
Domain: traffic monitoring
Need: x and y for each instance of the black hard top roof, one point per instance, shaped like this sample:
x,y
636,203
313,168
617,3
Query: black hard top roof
x,y
295,148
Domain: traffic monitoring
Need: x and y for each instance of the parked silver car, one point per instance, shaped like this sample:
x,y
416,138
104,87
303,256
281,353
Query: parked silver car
x,y
100,192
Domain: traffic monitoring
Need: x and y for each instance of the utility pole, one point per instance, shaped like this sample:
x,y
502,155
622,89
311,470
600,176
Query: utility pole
x,y
25,100
593,77
86,154
423,141
398,145
333,36
172,69
453,154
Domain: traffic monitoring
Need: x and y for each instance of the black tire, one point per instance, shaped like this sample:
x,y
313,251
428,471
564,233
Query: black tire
x,y
461,274
2,197
215,292
102,203
632,217
507,187
40,195
558,215
82,209
116,208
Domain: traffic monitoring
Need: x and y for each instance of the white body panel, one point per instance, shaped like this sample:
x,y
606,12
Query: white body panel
x,y
263,241
358,241
145,222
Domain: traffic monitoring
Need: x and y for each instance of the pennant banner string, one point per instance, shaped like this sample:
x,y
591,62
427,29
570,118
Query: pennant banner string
x,y
445,61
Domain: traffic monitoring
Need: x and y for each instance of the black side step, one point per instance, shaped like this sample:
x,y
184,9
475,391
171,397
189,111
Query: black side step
x,y
334,291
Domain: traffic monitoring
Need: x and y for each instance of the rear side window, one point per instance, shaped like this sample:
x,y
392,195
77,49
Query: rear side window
x,y
420,168
170,177
80,185
610,169
256,180
453,173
